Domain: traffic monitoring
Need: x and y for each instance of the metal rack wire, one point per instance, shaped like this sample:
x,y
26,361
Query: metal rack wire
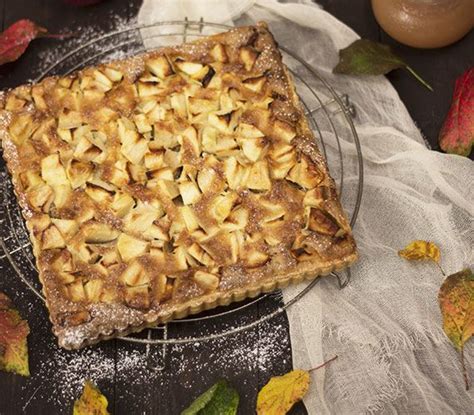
x,y
330,115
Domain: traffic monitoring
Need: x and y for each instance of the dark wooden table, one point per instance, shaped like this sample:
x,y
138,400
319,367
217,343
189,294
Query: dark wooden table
x,y
440,67
190,369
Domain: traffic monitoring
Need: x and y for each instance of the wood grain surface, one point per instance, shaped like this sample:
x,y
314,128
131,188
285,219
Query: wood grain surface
x,y
169,390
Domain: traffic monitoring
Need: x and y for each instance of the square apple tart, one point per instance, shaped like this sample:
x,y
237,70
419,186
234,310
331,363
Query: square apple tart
x,y
169,183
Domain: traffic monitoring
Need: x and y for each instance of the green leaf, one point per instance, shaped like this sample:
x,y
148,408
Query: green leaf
x,y
365,57
219,399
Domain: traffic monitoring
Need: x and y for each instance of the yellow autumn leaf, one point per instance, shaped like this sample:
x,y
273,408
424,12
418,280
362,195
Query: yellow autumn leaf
x,y
13,344
422,250
282,392
91,402
456,300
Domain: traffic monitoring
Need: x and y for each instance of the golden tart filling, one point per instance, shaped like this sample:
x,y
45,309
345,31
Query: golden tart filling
x,y
168,183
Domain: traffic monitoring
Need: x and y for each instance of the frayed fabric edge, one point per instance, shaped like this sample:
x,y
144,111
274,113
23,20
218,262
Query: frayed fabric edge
x,y
384,351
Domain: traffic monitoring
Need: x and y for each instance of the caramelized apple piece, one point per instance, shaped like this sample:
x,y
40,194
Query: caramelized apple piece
x,y
78,172
113,74
76,291
93,290
193,69
99,233
189,192
206,280
248,56
189,218
52,238
69,119
305,174
135,275
259,177
130,247
255,84
322,222
283,131
52,171
67,227
159,66
218,53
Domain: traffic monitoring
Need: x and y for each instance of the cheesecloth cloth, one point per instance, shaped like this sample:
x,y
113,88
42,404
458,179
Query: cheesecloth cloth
x,y
385,326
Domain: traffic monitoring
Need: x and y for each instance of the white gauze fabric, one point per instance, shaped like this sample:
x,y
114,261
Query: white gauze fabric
x,y
385,326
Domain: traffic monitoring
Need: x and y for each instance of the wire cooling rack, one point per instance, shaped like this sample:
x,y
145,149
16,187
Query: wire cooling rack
x,y
330,115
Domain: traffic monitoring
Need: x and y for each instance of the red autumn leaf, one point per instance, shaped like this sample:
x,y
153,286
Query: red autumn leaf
x,y
457,134
13,333
15,39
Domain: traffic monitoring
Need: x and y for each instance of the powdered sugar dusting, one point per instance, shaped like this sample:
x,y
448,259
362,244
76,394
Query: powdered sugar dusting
x,y
132,370
82,36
